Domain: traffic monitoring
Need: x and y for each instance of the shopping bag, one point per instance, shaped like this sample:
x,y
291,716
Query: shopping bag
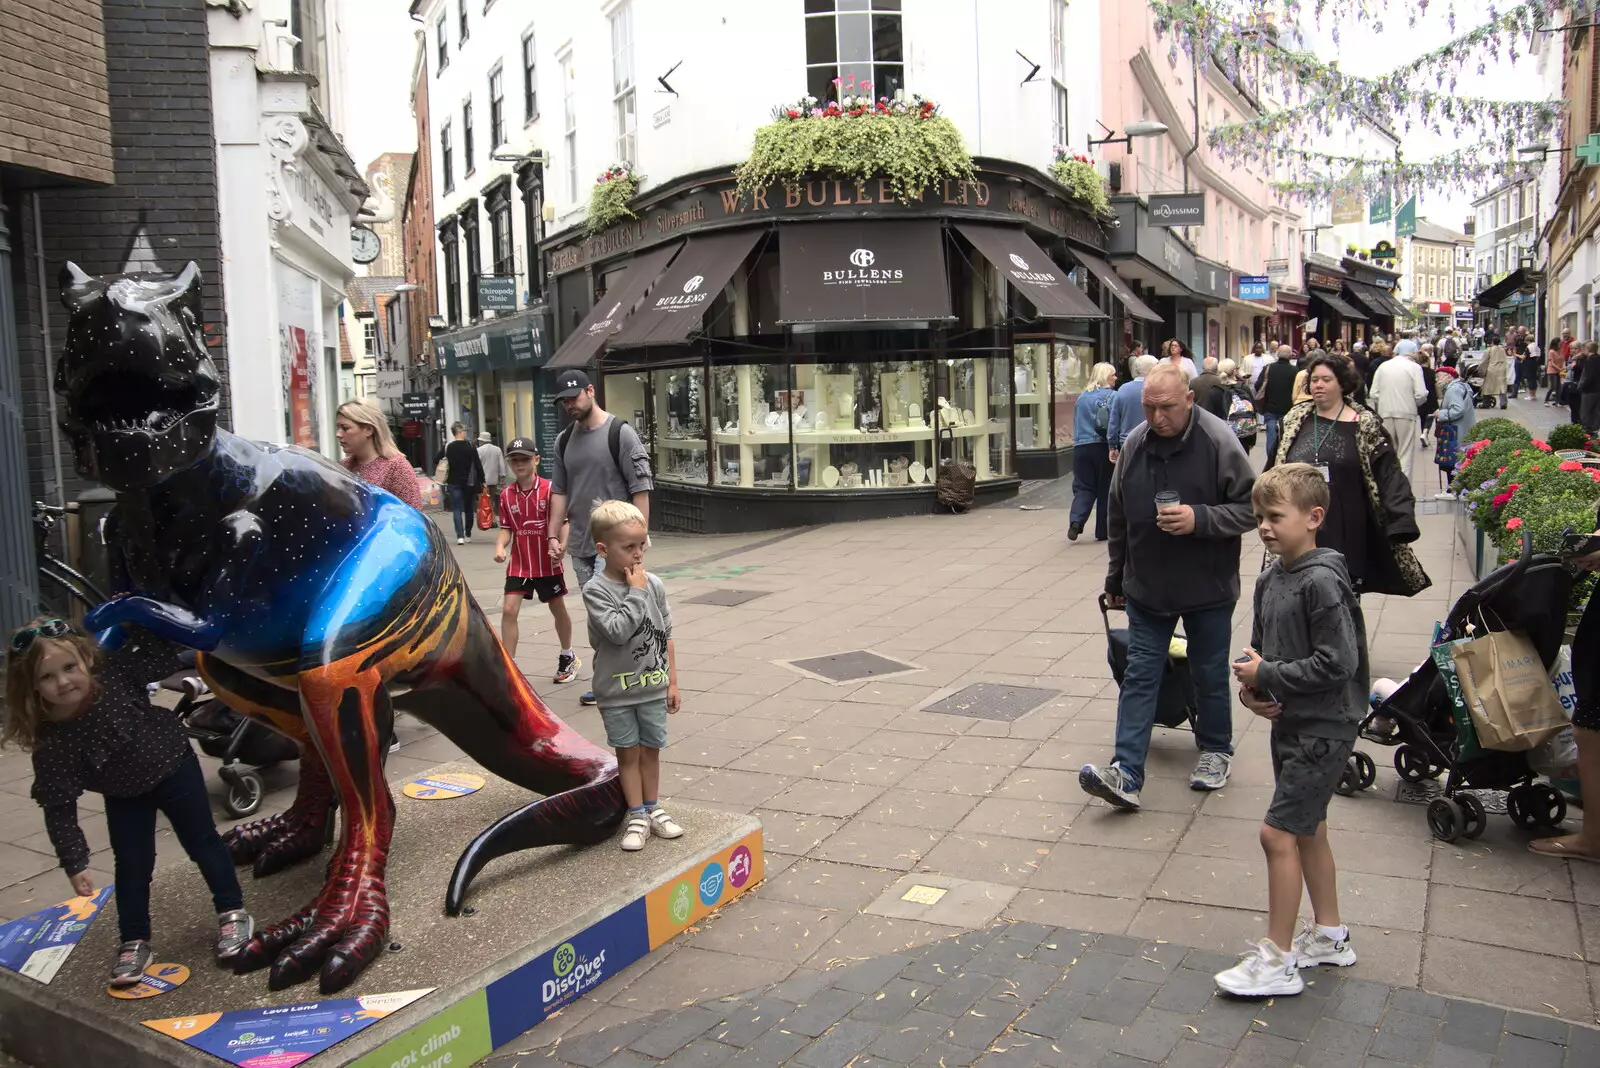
x,y
485,510
1558,757
441,471
1507,690
1467,747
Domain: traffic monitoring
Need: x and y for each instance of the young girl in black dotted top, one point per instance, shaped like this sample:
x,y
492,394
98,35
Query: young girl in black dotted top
x,y
98,731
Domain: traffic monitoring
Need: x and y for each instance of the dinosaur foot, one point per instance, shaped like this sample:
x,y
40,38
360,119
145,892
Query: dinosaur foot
x,y
276,842
339,934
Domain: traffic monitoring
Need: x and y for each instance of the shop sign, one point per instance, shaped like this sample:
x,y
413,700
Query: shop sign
x,y
1323,280
1464,315
497,292
390,384
1214,279
315,210
1255,287
517,344
1277,269
989,196
1177,209
415,405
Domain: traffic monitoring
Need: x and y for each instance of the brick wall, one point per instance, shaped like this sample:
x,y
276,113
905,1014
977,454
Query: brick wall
x,y
396,166
161,213
417,224
54,114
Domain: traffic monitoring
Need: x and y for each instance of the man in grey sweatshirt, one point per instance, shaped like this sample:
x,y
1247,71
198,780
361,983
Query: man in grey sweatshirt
x,y
1176,561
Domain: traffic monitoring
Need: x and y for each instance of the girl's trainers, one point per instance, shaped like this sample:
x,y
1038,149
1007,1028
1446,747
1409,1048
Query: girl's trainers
x,y
638,830
1264,972
1312,947
234,929
132,959
663,825
567,665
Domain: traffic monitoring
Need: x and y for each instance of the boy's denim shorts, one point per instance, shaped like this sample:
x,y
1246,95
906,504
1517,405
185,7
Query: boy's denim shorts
x,y
1305,771
642,724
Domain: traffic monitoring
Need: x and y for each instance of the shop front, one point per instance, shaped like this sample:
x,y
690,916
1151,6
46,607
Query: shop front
x,y
1371,289
489,379
1512,300
1287,324
812,353
1176,286
1334,317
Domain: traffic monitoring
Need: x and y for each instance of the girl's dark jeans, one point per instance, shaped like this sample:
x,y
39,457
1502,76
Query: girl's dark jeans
x,y
131,822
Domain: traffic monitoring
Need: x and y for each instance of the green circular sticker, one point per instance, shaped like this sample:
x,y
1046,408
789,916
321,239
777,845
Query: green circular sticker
x,y
682,904
565,958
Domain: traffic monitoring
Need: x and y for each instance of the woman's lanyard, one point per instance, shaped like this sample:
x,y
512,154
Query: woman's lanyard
x,y
1317,438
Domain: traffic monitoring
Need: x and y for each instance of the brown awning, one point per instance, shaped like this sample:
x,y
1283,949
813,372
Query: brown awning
x,y
1028,268
862,271
1120,289
608,314
679,300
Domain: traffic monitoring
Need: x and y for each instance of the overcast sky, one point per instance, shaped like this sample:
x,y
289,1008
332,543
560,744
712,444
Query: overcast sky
x,y
379,48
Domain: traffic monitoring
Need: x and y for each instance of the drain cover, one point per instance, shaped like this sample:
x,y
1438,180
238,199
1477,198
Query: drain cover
x,y
853,666
989,700
728,598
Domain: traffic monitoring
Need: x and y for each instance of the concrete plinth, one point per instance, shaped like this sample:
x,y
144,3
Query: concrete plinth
x,y
547,925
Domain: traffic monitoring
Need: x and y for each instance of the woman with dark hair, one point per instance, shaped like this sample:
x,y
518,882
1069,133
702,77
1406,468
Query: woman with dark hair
x,y
1371,516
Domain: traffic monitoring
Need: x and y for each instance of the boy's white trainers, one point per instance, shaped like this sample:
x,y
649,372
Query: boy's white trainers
x,y
663,825
1312,947
1263,973
638,830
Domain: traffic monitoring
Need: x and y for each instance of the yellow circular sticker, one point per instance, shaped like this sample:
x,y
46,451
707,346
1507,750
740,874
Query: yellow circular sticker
x,y
156,980
441,787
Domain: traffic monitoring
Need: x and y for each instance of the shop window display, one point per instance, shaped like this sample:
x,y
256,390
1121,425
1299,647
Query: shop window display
x,y
1033,394
1073,362
625,398
863,425
976,409
516,408
750,425
678,424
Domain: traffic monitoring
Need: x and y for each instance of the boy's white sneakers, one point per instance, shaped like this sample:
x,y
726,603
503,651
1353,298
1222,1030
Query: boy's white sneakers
x,y
633,838
1266,971
1311,947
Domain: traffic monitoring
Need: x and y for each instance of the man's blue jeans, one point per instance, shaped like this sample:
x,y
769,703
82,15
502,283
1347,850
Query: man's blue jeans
x,y
1149,638
1273,422
463,503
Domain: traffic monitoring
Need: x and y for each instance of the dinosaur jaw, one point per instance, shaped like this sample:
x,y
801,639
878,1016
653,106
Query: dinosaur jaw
x,y
131,430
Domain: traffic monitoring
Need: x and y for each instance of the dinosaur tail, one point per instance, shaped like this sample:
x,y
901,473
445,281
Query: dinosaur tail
x,y
583,815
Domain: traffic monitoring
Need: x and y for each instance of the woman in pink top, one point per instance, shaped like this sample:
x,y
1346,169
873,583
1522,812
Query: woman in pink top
x,y
370,452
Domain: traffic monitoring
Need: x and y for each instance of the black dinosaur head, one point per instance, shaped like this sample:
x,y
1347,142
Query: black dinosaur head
x,y
140,394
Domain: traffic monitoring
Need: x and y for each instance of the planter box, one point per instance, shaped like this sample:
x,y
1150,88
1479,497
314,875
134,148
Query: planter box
x,y
1479,552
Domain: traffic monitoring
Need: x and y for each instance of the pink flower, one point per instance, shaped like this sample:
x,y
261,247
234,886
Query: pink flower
x,y
1514,523
1569,465
1542,446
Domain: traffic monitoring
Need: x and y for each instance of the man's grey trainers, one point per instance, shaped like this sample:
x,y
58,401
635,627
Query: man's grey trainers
x,y
132,959
1312,947
1211,772
1110,785
234,929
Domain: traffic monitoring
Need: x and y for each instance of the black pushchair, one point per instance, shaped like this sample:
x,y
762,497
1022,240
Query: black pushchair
x,y
243,745
1176,703
1530,595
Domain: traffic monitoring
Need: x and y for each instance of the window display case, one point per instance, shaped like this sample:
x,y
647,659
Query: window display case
x,y
862,425
976,409
1034,395
1073,362
750,427
678,424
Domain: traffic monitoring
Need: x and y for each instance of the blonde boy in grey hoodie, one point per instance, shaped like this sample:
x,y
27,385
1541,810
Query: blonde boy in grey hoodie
x,y
1306,671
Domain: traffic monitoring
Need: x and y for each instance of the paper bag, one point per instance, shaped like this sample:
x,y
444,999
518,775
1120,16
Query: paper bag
x,y
1507,691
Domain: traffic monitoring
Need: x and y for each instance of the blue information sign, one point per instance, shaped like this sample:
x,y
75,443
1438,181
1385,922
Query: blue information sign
x,y
1255,287
39,943
281,1036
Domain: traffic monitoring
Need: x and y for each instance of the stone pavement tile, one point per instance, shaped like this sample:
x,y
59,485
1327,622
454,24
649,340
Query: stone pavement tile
x,y
745,728
1259,1050
1213,881
710,752
743,1022
1006,752
774,1047
987,857
890,1001
1042,821
1405,856
1542,1028
18,864
794,832
1171,793
794,761
1091,869
1585,883
873,769
821,798
905,807
1482,866
1120,1002
1042,784
903,1041
1524,980
1223,930
910,744
772,930
901,695
1504,920
1153,1035
1067,755
765,683
1472,1026
1336,1044
739,789
793,705
964,903
878,845
1109,914
701,1053
1388,955
973,780
693,974
1223,836
931,723
839,1047
846,887
1099,824
814,1015
1190,1053
668,1034
1530,1053
1095,732
1187,990
864,937
837,737
1583,1046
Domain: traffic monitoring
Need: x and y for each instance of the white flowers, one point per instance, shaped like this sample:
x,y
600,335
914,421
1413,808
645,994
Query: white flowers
x,y
810,100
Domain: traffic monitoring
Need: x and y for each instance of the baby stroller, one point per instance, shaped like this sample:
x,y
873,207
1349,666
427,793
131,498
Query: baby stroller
x,y
1472,369
1431,733
1176,701
243,745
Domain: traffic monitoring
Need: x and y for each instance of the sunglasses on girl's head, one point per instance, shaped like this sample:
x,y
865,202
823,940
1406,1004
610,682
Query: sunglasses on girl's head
x,y
50,628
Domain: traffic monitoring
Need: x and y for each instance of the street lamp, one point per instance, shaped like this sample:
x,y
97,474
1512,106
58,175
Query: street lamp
x,y
1129,132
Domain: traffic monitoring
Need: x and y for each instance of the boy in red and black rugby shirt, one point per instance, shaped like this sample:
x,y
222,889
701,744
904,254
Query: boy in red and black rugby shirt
x,y
524,538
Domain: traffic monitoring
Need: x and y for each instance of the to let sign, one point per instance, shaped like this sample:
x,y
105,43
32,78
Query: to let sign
x,y
1177,209
497,292
1255,287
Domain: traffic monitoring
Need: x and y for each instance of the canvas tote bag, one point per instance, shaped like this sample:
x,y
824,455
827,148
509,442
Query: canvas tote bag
x,y
1507,691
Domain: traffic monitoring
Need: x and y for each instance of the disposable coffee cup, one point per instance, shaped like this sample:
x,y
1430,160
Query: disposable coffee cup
x,y
1167,499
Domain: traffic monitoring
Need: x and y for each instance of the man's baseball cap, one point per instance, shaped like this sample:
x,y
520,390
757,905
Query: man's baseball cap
x,y
522,447
571,383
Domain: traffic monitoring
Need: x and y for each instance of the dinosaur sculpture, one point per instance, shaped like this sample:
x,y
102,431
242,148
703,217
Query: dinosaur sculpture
x,y
319,604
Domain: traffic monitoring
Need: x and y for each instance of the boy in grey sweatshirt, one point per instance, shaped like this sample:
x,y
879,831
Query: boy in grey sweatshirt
x,y
1306,671
635,665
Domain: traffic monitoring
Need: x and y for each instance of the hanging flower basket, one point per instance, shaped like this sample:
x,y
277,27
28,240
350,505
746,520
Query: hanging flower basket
x,y
903,141
1083,184
608,200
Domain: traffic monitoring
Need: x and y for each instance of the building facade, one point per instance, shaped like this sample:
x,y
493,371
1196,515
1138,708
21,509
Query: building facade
x,y
1431,258
1505,247
389,178
288,195
1573,271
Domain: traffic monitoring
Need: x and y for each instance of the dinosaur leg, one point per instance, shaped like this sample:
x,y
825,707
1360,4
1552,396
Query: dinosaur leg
x,y
278,841
348,714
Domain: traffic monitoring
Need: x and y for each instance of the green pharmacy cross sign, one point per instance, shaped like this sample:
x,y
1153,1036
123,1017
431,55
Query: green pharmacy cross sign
x,y
1589,151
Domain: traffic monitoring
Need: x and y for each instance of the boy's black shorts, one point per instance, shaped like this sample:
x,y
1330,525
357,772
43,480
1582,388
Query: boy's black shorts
x,y
1305,771
547,587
